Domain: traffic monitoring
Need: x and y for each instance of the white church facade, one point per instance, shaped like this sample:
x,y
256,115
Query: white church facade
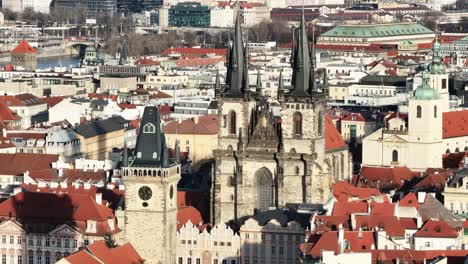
x,y
430,131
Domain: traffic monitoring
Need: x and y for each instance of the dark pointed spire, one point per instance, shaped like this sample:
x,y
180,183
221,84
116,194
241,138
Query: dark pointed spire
x,y
245,80
151,149
235,78
177,152
302,63
280,93
125,155
259,83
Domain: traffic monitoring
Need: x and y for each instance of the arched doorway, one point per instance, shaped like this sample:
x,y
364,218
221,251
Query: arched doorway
x,y
264,185
206,257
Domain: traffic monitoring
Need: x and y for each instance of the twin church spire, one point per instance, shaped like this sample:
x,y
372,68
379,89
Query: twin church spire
x,y
302,62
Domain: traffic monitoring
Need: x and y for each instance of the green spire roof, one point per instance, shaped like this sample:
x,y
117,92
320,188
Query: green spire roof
x,y
436,66
377,30
424,91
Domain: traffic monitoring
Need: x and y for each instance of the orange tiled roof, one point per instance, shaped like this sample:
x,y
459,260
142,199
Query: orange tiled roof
x,y
333,138
436,229
23,47
206,125
455,124
18,163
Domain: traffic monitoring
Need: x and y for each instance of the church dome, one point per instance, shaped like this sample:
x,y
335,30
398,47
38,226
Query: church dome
x,y
424,92
90,49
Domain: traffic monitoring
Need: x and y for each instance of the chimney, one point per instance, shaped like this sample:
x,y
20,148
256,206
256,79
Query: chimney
x,y
99,198
4,132
82,120
421,197
341,238
60,172
195,119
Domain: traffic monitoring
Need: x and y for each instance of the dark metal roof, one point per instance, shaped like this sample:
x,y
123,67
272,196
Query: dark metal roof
x,y
101,127
384,80
283,216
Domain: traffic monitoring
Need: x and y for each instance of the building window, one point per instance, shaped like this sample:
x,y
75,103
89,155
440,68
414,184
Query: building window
x,y
47,260
19,240
427,244
320,123
47,241
39,259
395,156
232,123
20,259
59,242
264,183
435,111
181,260
30,241
86,242
273,250
297,124
39,241
67,242
31,259
215,261
12,239
444,83
197,261
281,251
189,260
75,243
418,111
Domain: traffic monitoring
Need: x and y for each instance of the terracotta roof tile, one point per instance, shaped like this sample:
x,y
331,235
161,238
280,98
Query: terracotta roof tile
x,y
53,100
410,200
69,175
455,124
6,114
194,52
23,47
188,213
20,100
436,229
382,209
390,224
344,192
206,125
358,242
18,163
82,256
384,177
333,138
348,208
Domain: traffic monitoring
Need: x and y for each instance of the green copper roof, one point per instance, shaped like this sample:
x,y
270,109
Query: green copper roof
x,y
377,30
424,91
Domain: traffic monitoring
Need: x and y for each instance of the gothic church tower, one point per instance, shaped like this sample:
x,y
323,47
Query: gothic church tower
x,y
264,161
151,179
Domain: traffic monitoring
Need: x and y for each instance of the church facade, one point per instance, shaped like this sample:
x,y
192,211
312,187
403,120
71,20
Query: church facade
x,y
263,160
430,131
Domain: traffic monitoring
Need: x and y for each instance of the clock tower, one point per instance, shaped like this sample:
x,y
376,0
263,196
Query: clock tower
x,y
150,177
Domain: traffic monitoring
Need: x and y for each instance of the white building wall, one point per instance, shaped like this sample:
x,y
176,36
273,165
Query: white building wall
x,y
432,243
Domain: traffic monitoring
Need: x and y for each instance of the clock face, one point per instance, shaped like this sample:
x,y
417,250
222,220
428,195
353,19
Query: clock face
x,y
145,193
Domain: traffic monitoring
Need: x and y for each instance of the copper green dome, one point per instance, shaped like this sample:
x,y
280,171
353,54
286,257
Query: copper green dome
x,y
424,91
436,66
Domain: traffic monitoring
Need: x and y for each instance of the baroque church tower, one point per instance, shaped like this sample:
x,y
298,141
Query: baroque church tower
x,y
264,161
151,179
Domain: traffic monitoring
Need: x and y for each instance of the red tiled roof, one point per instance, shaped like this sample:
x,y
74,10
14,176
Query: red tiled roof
x,y
358,242
23,47
53,100
433,182
18,163
390,224
412,256
194,52
410,200
26,136
455,124
6,114
344,191
58,209
436,229
159,95
188,213
357,117
146,61
125,254
408,223
382,209
384,178
333,138
20,100
206,125
82,256
127,106
348,208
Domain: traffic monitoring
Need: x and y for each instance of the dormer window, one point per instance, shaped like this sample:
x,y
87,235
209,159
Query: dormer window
x,y
91,226
149,128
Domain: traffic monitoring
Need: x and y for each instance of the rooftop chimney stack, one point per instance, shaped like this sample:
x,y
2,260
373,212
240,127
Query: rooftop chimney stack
x,y
341,238
99,198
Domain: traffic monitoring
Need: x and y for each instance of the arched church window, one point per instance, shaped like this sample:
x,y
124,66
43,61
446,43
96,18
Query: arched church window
x,y
395,156
149,128
466,149
232,123
435,111
418,111
264,184
457,150
297,124
447,151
